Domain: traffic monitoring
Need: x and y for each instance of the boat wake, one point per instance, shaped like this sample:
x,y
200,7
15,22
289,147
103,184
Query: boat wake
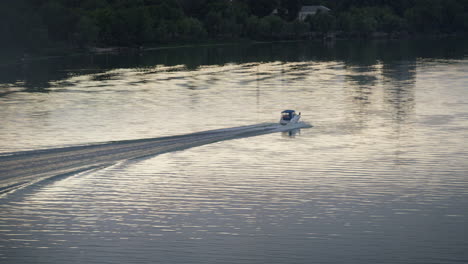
x,y
19,169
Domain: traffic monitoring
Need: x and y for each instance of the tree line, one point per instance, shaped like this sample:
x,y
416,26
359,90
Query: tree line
x,y
85,23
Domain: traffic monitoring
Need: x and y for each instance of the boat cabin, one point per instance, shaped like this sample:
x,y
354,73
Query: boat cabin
x,y
287,115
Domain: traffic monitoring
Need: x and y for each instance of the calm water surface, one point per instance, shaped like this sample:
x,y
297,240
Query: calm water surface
x,y
382,177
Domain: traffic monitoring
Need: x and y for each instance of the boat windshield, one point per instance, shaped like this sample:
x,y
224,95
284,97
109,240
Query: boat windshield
x,y
287,116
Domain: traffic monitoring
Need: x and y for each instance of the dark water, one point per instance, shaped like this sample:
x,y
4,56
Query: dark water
x,y
382,177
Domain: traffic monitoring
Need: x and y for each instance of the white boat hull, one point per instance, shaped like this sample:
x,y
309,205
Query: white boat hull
x,y
293,120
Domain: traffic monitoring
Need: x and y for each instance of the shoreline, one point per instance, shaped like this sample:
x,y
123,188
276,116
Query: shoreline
x,y
58,51
312,36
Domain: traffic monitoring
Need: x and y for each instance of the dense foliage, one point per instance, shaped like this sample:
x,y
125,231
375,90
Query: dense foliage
x,y
82,23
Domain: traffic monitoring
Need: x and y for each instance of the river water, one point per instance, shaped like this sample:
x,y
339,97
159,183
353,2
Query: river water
x,y
381,177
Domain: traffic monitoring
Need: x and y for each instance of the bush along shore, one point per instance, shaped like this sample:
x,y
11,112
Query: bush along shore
x,y
112,25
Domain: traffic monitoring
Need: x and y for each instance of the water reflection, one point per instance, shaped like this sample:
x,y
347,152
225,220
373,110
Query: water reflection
x,y
380,178
292,133
399,82
36,74
150,92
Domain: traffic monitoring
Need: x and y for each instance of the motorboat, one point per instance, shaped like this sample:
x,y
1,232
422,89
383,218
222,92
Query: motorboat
x,y
289,117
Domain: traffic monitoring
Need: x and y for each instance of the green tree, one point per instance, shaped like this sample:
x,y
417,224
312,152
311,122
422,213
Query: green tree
x,y
344,21
192,7
358,20
191,28
271,27
213,21
290,9
106,20
322,22
87,32
388,21
94,4
162,33
42,23
423,19
252,27
299,28
261,8
59,19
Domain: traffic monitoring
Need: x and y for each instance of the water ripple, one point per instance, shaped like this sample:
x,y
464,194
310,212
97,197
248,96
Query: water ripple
x,y
381,178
